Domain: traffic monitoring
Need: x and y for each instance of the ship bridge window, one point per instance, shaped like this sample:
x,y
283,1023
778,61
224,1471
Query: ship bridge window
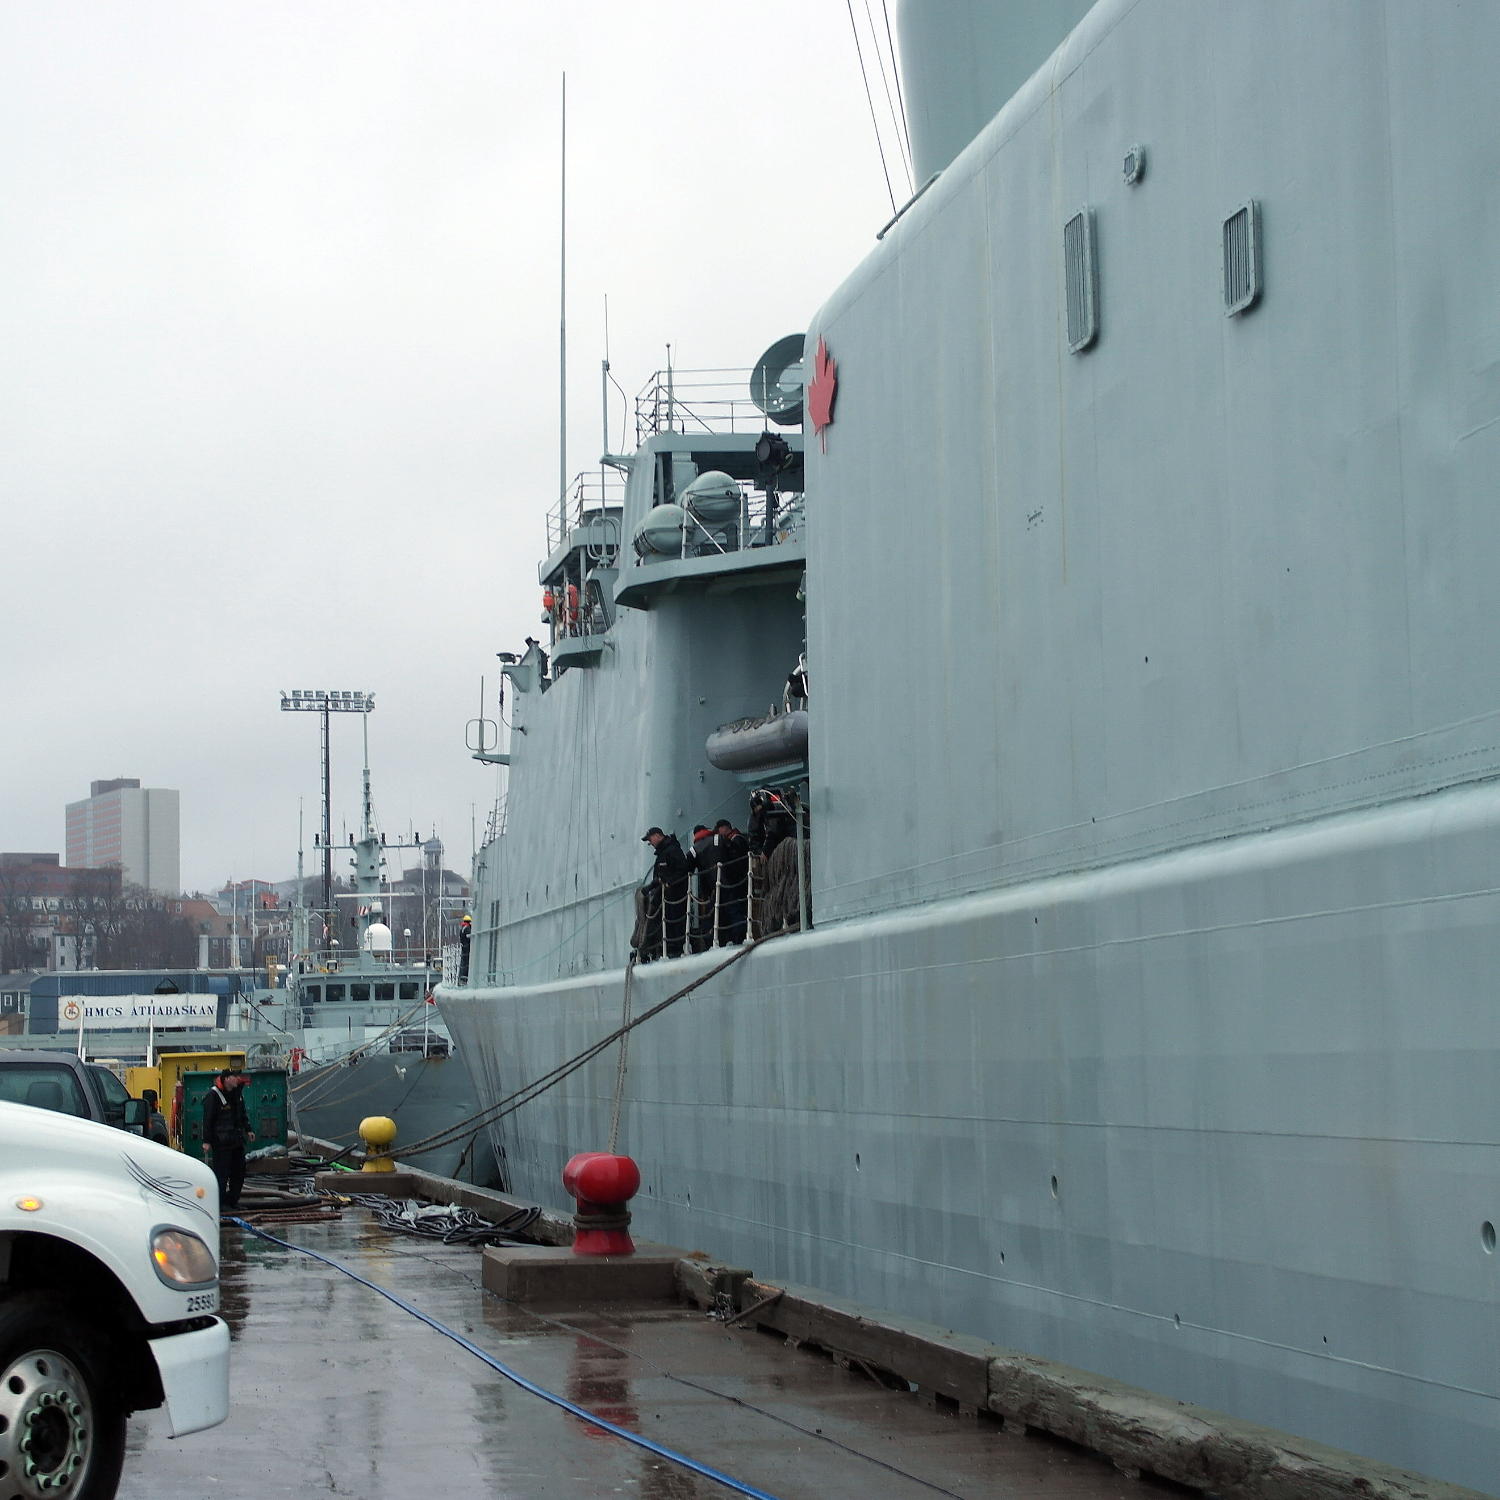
x,y
408,992
313,994
334,992
1081,278
385,992
359,992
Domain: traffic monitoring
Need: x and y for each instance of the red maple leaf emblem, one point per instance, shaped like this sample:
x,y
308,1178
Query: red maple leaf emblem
x,y
823,387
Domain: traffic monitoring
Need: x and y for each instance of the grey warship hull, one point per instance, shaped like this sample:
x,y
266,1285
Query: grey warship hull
x,y
1139,1122
1147,1021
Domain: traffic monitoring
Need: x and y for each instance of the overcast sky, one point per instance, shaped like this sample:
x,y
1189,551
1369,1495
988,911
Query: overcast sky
x,y
278,334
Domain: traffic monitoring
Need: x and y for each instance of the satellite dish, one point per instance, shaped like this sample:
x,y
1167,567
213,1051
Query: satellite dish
x,y
778,381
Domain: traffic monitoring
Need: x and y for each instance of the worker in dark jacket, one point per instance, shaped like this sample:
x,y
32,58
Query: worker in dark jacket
x,y
669,885
771,821
733,885
704,860
226,1129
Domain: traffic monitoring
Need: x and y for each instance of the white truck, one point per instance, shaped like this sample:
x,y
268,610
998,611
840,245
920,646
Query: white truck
x,y
109,1285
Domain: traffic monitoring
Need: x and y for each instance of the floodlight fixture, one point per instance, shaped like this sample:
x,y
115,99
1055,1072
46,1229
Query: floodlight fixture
x,y
326,701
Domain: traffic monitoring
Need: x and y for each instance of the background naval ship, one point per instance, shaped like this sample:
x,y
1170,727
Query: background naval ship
x,y
1142,548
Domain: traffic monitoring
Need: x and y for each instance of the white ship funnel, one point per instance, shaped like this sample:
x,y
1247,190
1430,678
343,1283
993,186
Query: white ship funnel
x,y
962,59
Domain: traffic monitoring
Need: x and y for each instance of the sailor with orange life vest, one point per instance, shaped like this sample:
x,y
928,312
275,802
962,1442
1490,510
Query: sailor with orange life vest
x,y
561,612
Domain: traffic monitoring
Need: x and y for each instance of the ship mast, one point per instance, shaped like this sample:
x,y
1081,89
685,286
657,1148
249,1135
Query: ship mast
x,y
368,858
562,297
326,701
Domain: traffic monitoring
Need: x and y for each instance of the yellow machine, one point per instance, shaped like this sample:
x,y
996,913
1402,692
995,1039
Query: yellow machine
x,y
167,1075
139,1078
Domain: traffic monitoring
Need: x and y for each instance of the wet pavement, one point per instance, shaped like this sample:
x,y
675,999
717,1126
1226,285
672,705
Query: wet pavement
x,y
335,1390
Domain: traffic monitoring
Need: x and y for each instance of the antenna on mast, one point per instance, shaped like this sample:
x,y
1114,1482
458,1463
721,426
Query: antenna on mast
x,y
604,389
562,400
369,807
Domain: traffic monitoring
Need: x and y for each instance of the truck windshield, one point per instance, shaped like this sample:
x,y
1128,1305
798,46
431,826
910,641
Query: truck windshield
x,y
44,1086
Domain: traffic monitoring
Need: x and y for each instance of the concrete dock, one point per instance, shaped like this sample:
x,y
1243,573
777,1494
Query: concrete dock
x,y
337,1391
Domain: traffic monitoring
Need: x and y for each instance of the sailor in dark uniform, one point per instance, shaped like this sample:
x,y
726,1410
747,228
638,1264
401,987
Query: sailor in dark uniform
x,y
703,858
669,884
732,886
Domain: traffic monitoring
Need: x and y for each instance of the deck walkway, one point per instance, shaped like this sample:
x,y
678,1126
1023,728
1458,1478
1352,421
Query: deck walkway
x,y
336,1391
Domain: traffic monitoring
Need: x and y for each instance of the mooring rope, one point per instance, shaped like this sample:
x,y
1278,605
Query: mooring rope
x,y
614,1118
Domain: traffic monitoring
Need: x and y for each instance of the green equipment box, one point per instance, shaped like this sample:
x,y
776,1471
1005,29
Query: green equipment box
x,y
265,1107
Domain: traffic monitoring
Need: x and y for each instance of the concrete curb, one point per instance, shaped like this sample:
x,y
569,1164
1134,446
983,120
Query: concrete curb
x,y
1137,1430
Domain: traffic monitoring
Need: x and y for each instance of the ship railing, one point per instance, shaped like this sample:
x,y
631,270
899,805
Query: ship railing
x,y
357,966
453,964
590,507
673,920
691,401
764,520
751,896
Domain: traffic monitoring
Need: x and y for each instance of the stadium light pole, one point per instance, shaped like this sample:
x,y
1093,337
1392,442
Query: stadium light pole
x,y
327,701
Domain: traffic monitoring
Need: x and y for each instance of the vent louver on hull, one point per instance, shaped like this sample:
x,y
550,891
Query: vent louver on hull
x,y
1081,275
1242,259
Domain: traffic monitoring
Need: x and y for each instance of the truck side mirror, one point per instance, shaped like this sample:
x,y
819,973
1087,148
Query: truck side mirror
x,y
136,1114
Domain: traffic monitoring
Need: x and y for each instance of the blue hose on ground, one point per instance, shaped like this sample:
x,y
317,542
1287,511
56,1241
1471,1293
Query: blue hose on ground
x,y
681,1459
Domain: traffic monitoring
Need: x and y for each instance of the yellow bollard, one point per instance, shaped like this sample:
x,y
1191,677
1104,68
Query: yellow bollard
x,y
377,1132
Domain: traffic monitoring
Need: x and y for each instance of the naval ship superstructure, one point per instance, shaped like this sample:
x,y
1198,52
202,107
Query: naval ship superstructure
x,y
1144,567
369,1038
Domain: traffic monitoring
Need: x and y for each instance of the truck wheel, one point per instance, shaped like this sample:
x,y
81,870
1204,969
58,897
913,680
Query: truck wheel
x,y
62,1430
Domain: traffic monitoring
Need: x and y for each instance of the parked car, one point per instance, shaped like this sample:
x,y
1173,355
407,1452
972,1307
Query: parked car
x,y
109,1285
65,1083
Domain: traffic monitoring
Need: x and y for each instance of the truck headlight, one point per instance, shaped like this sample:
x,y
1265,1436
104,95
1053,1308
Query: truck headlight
x,y
181,1259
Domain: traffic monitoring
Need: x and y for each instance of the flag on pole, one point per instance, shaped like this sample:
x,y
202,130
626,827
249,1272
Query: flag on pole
x,y
73,1010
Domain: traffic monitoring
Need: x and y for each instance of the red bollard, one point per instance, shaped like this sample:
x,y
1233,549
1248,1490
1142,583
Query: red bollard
x,y
603,1185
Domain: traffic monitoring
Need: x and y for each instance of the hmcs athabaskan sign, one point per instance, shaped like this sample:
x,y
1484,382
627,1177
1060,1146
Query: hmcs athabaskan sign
x,y
133,1012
